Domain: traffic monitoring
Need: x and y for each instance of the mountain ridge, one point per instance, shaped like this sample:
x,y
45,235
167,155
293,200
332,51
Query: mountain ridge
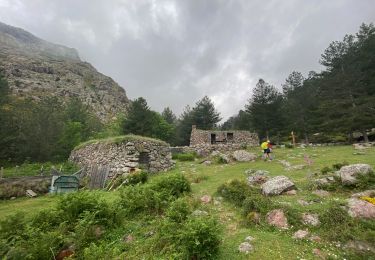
x,y
36,68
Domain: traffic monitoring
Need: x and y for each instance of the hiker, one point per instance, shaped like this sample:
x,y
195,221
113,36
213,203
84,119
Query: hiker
x,y
267,149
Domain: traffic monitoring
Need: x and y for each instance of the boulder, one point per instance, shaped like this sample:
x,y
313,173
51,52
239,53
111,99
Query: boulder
x,y
277,185
277,218
257,178
245,247
358,208
301,234
249,239
349,173
244,156
310,219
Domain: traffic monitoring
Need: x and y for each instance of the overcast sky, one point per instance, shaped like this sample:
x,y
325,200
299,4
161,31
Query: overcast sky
x,y
175,52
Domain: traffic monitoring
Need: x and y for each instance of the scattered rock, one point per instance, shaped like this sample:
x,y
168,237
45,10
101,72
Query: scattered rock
x,y
277,218
301,234
310,219
303,202
325,181
315,238
198,213
361,146
321,193
348,173
249,239
358,208
245,247
360,246
257,178
207,162
367,193
224,158
12,198
290,192
128,239
317,252
285,163
206,199
277,185
244,156
296,167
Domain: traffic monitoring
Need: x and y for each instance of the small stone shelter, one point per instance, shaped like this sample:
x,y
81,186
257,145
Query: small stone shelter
x,y
124,153
231,137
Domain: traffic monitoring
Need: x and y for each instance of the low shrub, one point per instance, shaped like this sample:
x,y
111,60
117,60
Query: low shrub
x,y
325,170
46,219
171,185
184,156
13,227
365,181
338,166
179,210
73,205
199,238
257,203
139,199
135,178
234,191
336,222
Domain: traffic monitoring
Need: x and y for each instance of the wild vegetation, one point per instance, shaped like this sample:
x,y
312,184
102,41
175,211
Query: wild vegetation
x,y
164,217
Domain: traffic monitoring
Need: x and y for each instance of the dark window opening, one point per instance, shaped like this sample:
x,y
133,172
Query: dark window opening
x,y
144,160
213,138
230,136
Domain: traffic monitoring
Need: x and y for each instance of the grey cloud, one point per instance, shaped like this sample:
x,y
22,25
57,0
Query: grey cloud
x,y
175,52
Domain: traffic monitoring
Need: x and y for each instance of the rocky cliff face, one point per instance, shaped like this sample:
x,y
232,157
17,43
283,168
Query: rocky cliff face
x,y
36,68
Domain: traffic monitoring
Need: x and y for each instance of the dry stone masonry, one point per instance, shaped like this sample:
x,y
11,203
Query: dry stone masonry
x,y
123,154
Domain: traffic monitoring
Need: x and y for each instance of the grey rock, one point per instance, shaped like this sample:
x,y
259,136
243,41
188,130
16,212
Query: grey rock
x,y
301,234
199,213
310,219
245,247
258,177
349,173
244,156
277,185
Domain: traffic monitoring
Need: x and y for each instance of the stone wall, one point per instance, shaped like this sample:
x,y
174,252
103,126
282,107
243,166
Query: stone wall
x,y
122,154
230,137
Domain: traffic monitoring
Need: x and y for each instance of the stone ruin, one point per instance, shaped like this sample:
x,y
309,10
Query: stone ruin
x,y
125,154
205,141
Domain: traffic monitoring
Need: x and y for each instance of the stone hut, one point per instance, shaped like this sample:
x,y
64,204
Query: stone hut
x,y
124,153
213,137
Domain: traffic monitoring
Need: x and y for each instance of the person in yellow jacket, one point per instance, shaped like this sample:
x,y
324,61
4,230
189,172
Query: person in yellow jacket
x,y
267,149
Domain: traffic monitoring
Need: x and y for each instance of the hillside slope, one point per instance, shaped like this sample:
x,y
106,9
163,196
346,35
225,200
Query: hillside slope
x,y
36,68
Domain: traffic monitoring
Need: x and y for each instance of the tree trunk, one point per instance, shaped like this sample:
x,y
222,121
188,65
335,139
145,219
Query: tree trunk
x,y
365,136
306,138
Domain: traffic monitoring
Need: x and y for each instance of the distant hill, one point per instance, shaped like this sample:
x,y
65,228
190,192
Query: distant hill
x,y
36,68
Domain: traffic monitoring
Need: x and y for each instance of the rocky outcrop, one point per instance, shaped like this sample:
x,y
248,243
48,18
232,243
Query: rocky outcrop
x,y
122,154
349,173
359,208
277,218
36,69
256,177
277,185
244,156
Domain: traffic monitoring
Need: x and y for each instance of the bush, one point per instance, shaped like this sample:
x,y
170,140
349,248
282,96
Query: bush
x,y
338,166
171,185
325,170
135,178
336,222
200,238
140,199
73,205
365,181
46,219
257,203
179,210
13,226
234,191
184,156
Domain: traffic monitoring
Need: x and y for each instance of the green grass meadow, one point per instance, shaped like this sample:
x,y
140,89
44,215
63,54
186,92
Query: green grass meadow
x,y
269,242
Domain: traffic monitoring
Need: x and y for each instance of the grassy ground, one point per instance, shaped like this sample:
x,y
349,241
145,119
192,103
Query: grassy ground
x,y
269,243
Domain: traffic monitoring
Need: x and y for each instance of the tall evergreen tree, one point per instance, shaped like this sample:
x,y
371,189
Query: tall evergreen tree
x,y
204,114
169,116
264,108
